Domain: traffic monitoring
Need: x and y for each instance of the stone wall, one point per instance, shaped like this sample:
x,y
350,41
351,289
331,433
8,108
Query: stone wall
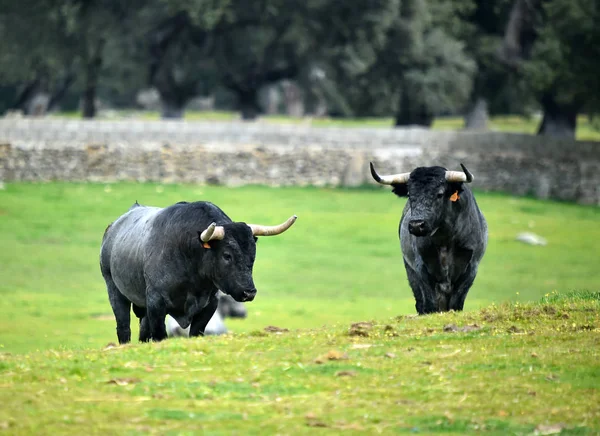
x,y
234,153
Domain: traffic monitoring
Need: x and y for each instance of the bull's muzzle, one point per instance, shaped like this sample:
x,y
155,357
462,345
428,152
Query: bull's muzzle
x,y
418,227
249,295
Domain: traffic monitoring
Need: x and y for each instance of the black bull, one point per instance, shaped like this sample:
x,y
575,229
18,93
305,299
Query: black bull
x,y
173,260
443,235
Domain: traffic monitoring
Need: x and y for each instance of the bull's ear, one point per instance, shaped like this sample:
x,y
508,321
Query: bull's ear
x,y
255,239
400,189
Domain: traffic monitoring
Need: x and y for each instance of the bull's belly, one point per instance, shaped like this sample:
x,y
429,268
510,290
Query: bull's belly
x,y
132,290
128,275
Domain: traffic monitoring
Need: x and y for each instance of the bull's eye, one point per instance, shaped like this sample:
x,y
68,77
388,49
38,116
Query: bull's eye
x,y
440,195
227,257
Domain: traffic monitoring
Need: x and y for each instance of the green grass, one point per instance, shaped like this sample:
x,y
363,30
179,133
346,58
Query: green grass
x,y
528,362
586,131
341,261
512,368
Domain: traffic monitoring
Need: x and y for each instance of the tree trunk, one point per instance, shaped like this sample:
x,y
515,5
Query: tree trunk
x,y
61,90
33,99
477,117
520,32
93,63
412,113
294,99
560,120
248,104
171,109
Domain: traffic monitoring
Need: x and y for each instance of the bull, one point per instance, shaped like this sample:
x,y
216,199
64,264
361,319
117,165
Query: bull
x,y
173,260
443,235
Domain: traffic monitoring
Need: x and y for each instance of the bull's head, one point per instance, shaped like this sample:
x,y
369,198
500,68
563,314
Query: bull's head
x,y
232,253
431,191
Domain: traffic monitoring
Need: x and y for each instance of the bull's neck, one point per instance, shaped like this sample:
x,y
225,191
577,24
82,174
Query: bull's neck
x,y
451,227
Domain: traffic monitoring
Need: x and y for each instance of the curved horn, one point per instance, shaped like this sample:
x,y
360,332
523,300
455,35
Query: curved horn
x,y
258,230
457,176
391,179
212,232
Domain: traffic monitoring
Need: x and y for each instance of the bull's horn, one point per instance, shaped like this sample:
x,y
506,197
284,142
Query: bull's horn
x,y
212,232
391,179
258,230
457,176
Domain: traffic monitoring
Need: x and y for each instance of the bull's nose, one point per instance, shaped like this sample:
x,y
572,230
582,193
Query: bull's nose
x,y
417,227
249,295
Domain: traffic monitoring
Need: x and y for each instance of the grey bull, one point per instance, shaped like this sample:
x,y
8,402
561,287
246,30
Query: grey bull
x,y
443,234
172,260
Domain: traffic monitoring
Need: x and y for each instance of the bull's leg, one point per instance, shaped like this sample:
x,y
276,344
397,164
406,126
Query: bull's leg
x,y
152,326
121,307
442,291
202,318
461,288
424,295
140,312
145,335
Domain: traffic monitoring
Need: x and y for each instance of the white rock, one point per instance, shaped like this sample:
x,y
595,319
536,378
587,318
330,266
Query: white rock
x,y
531,239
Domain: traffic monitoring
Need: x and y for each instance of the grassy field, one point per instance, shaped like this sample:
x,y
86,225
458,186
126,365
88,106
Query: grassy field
x,y
507,369
523,365
341,262
586,131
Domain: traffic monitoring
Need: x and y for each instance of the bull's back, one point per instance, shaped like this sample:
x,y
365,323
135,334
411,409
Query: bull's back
x,y
122,252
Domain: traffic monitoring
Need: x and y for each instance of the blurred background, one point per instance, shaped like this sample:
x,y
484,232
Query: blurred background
x,y
270,108
517,65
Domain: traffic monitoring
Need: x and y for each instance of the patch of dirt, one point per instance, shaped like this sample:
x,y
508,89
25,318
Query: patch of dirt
x,y
544,429
360,329
514,329
464,329
313,421
345,374
344,426
123,381
331,355
389,330
274,329
550,310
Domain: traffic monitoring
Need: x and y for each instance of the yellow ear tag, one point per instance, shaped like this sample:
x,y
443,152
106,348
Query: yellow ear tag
x,y
206,245
454,196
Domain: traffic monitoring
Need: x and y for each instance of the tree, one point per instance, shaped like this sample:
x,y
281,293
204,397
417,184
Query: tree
x,y
564,63
36,57
554,45
419,70
60,42
264,42
495,89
